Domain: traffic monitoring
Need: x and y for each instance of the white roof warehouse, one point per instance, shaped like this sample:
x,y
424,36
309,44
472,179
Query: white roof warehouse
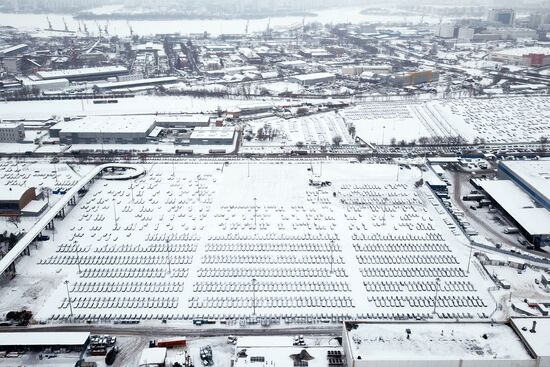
x,y
104,130
38,340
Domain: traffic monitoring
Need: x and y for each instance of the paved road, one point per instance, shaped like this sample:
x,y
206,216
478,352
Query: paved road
x,y
170,330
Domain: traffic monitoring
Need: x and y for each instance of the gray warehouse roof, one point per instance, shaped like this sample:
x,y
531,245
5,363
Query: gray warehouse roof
x,y
72,73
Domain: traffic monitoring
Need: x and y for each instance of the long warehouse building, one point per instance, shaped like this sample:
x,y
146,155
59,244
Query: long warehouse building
x,y
84,74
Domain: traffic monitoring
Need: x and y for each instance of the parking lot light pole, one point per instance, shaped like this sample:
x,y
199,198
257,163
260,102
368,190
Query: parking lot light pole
x,y
436,290
469,260
114,209
255,213
69,297
254,297
78,257
331,255
168,253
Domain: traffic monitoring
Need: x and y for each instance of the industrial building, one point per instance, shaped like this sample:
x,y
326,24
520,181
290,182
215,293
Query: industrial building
x,y
182,121
532,221
312,79
527,56
104,130
518,343
137,83
413,78
47,85
153,357
360,69
213,136
39,341
13,132
14,50
532,176
523,195
83,74
14,198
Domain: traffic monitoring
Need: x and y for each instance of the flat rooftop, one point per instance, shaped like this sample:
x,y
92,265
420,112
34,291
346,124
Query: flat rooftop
x,y
41,338
314,76
106,125
535,174
213,133
519,205
435,341
538,341
68,73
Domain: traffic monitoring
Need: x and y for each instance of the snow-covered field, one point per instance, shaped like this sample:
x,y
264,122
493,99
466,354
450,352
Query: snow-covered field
x,y
189,245
314,130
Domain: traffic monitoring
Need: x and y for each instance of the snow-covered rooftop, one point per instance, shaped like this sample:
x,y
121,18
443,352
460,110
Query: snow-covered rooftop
x,y
539,341
535,174
313,76
67,73
213,132
525,51
152,357
42,338
12,193
105,125
435,341
519,205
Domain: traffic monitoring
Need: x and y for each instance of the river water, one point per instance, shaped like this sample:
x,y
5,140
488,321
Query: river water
x,y
38,22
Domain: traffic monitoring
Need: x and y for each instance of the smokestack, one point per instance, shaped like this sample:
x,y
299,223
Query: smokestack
x,y
533,329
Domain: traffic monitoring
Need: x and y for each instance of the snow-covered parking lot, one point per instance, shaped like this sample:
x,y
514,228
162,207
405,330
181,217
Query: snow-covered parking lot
x,y
214,240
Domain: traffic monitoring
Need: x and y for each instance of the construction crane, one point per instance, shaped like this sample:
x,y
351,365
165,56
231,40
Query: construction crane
x,y
66,27
106,28
131,29
247,24
49,23
85,28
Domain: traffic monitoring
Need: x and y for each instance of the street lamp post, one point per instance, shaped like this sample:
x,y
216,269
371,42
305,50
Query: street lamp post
x,y
168,253
114,209
78,257
331,255
436,291
69,297
469,260
255,214
254,297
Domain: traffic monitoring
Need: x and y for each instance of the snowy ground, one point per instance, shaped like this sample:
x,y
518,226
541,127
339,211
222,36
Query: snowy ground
x,y
309,130
390,243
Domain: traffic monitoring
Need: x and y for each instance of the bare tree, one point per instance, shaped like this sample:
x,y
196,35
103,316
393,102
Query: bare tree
x,y
336,140
15,220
